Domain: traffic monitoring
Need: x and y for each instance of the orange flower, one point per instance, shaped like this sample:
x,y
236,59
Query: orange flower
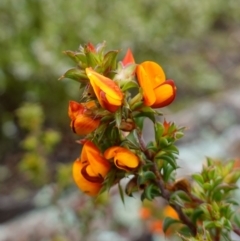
x,y
157,91
107,91
144,213
90,169
123,158
170,212
82,121
128,59
156,227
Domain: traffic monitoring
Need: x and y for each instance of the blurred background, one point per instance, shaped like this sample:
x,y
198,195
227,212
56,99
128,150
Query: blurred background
x,y
196,42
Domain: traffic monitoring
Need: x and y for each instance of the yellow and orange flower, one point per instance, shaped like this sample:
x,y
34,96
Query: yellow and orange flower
x,y
107,91
128,58
157,91
90,169
122,157
82,120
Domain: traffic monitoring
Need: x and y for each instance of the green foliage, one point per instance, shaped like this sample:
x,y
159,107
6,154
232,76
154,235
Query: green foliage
x,y
37,144
64,172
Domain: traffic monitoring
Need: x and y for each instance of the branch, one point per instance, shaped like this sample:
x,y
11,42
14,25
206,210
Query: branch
x,y
236,230
166,194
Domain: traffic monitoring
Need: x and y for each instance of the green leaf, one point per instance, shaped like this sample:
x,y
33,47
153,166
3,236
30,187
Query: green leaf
x,y
151,191
222,190
121,192
118,117
227,224
107,118
232,177
167,222
207,186
233,201
196,214
178,135
136,105
168,158
149,115
163,142
180,195
152,146
139,122
173,149
114,134
209,224
132,137
148,109
81,60
76,74
159,129
92,59
77,57
146,176
228,167
226,236
109,61
198,178
167,172
128,85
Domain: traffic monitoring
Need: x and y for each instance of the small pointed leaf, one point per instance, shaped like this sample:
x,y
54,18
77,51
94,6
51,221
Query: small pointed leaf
x,y
167,222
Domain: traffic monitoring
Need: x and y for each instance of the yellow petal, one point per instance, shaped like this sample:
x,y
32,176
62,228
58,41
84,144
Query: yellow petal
x,y
165,94
146,84
113,101
83,125
111,152
105,84
126,160
99,165
123,158
155,73
104,101
90,188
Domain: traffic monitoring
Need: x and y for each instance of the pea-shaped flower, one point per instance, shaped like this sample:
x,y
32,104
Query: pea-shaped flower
x,y
122,157
157,91
90,169
107,91
83,121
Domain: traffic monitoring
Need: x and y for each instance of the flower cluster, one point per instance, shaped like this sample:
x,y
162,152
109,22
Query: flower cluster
x,y
108,113
109,116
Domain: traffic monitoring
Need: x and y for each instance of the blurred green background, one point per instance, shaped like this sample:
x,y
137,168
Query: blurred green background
x,y
196,42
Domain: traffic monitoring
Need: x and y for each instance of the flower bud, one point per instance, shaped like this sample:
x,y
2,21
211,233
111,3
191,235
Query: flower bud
x,y
83,121
107,91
